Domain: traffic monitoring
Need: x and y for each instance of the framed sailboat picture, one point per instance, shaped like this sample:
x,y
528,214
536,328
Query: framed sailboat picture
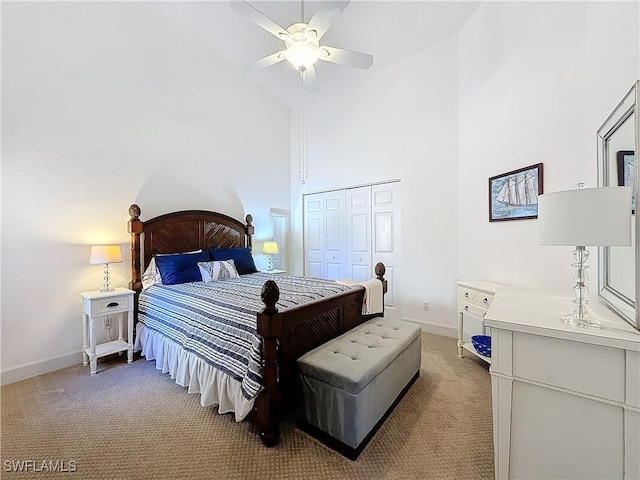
x,y
514,195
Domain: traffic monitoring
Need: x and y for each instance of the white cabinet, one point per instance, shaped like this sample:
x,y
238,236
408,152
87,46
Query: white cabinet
x,y
474,299
565,399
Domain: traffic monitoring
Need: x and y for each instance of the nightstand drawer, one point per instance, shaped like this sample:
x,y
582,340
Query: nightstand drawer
x,y
484,299
108,305
466,294
472,309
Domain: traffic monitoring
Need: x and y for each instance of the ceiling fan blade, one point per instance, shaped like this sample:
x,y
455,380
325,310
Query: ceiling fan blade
x,y
260,19
265,62
309,80
345,57
324,17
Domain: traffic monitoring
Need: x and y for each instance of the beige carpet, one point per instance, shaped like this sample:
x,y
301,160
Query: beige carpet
x,y
133,422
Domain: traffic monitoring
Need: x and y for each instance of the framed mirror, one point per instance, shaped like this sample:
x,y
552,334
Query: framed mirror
x,y
619,267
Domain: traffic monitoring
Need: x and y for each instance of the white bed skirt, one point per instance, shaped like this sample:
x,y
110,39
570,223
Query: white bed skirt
x,y
189,370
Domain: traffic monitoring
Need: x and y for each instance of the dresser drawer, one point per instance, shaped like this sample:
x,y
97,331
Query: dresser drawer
x,y
570,365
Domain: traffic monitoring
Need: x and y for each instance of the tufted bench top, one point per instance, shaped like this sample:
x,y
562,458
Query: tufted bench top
x,y
353,359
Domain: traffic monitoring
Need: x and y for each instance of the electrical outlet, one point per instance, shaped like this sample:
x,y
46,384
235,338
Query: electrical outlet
x,y
107,323
425,305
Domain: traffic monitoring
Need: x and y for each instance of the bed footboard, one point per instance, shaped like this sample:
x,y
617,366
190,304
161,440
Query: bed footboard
x,y
290,334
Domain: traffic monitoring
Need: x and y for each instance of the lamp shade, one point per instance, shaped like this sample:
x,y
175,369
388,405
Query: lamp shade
x,y
586,217
270,248
105,254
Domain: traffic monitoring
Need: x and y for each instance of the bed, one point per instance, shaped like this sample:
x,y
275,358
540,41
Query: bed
x,y
284,331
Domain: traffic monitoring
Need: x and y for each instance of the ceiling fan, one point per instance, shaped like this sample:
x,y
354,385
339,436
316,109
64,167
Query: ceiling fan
x,y
302,41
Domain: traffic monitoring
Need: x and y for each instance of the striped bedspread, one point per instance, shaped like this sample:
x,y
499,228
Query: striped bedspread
x,y
217,320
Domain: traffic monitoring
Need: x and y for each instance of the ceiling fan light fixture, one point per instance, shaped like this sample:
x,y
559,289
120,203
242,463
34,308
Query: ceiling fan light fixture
x,y
302,55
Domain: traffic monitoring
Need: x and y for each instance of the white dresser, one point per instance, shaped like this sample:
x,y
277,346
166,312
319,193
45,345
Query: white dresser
x,y
474,299
566,400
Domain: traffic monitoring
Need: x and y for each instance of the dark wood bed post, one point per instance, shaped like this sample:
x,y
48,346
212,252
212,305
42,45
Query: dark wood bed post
x,y
269,402
135,229
249,219
380,271
271,326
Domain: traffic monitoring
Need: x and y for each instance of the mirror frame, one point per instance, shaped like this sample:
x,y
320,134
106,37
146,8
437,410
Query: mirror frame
x,y
623,306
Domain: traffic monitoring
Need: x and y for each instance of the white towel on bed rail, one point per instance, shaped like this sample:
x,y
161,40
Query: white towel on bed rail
x,y
373,295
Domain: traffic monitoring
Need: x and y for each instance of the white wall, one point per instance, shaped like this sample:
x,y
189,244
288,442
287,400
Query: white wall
x,y
524,83
104,105
396,122
537,79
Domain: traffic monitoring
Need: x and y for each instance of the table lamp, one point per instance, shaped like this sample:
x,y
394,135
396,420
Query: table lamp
x,y
581,217
105,254
270,248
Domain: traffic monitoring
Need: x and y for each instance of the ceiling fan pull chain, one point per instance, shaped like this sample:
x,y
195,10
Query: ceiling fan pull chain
x,y
306,159
303,169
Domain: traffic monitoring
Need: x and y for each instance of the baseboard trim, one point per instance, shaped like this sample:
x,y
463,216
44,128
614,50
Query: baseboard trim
x,y
435,328
39,367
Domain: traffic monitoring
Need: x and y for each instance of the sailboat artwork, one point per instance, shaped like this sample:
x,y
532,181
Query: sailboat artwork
x,y
514,195
519,191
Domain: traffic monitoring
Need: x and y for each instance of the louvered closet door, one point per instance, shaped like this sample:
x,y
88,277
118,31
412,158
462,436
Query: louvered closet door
x,y
314,235
385,211
358,233
334,235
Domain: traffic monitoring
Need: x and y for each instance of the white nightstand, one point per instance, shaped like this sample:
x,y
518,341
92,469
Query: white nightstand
x,y
474,299
97,304
274,271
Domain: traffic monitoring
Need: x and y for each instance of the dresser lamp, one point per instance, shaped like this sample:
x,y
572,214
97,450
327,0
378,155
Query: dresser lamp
x,y
105,254
585,217
270,248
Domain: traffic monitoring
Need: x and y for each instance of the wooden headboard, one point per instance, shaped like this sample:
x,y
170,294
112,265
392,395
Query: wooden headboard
x,y
182,232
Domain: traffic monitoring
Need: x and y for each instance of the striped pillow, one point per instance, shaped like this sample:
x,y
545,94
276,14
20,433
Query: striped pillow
x,y
217,270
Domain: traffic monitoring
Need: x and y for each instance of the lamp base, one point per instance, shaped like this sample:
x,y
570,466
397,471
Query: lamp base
x,y
107,290
585,321
580,316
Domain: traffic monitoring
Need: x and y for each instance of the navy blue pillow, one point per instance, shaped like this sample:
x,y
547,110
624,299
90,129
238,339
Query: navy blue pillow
x,y
180,268
241,257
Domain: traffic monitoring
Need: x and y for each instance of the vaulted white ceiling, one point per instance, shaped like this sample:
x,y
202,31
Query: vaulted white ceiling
x,y
389,30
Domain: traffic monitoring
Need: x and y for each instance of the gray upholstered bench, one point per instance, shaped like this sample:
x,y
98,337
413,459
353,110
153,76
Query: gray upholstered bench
x,y
351,383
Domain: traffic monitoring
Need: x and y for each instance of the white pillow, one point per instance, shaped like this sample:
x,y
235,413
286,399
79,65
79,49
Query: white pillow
x,y
218,270
151,275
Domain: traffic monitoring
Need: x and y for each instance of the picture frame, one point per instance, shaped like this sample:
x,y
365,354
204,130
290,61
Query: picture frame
x,y
626,165
514,195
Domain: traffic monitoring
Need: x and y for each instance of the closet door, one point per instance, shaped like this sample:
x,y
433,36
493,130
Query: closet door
x,y
358,232
335,244
385,212
314,235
